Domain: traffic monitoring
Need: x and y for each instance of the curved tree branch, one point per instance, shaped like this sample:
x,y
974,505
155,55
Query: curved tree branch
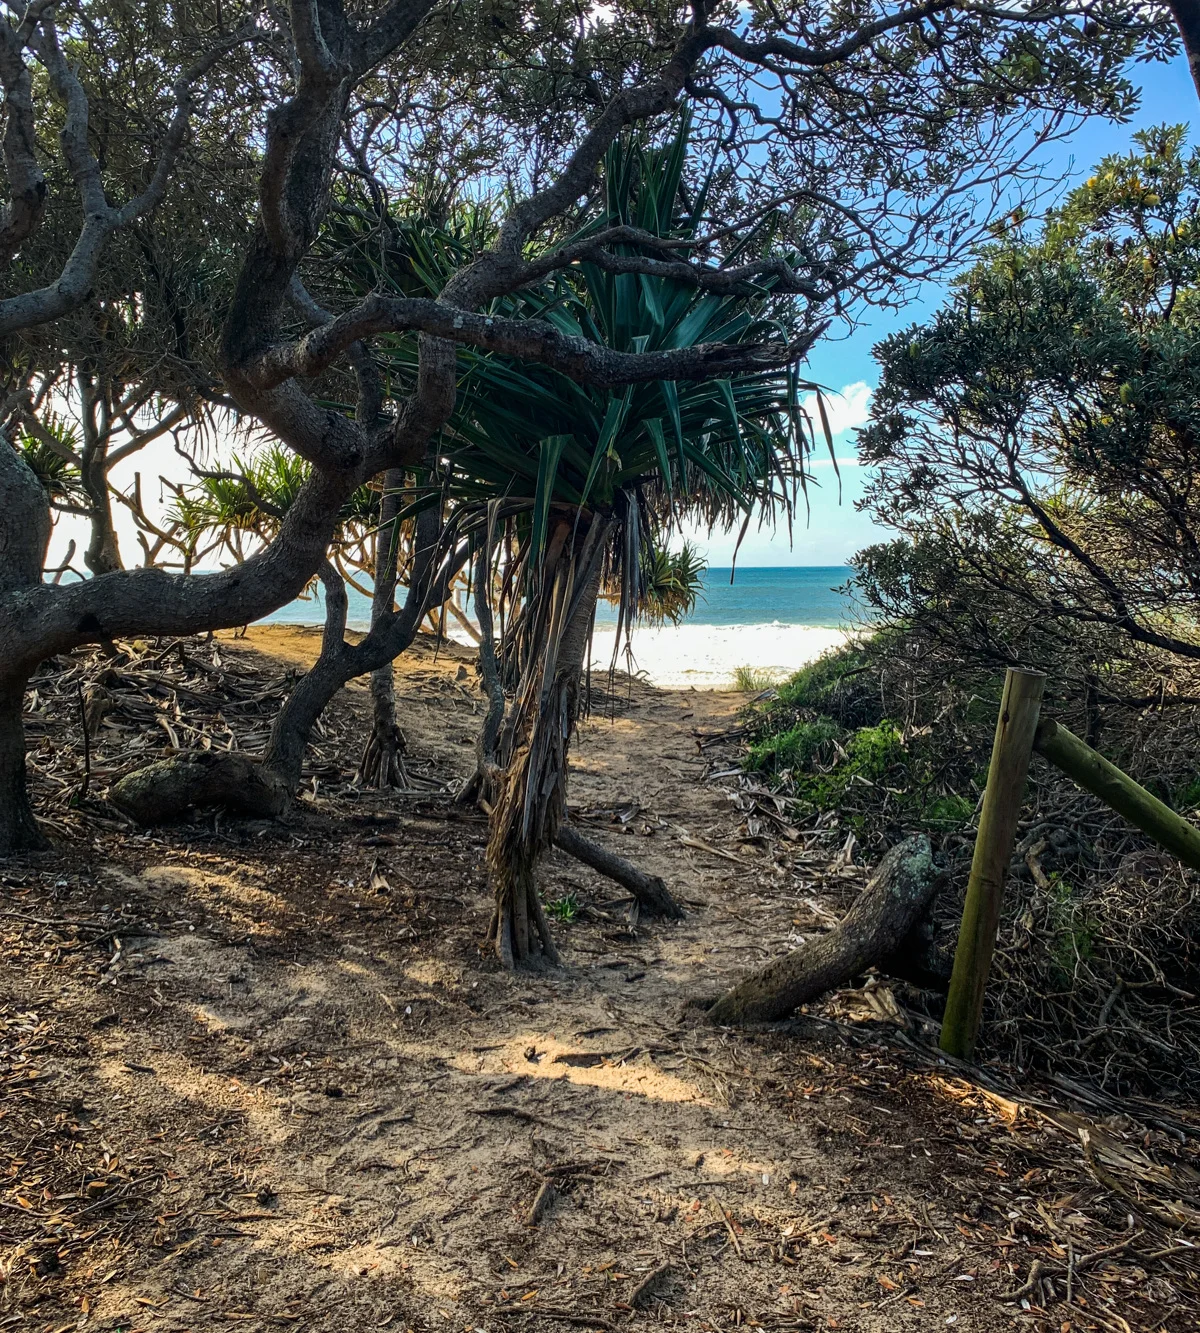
x,y
100,219
528,339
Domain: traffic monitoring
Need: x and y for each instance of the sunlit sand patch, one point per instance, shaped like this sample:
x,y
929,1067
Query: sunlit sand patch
x,y
431,972
262,905
638,1078
213,1096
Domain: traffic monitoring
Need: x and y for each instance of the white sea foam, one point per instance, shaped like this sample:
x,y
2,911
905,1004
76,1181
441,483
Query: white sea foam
x,y
707,656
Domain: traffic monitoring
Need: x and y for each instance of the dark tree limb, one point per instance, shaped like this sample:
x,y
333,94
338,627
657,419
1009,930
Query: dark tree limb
x,y
885,912
578,358
651,892
1186,14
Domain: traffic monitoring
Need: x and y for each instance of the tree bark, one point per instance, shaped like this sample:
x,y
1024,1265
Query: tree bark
x,y
1186,14
382,762
481,787
19,831
102,555
898,893
24,535
531,789
651,892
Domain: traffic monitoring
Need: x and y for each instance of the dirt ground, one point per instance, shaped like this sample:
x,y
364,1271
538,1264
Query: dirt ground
x,y
262,1073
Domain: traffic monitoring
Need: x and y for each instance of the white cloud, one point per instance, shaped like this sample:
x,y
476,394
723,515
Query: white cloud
x,y
846,408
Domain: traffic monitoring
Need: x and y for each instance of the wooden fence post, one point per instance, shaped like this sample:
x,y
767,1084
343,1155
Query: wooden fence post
x,y
1020,706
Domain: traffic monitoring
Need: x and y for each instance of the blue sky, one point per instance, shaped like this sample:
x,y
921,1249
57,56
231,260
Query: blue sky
x,y
836,530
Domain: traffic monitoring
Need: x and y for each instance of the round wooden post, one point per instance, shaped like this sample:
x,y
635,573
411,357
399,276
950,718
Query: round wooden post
x,y
1019,708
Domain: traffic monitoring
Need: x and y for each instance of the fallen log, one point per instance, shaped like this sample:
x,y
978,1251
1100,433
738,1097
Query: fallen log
x,y
886,911
651,892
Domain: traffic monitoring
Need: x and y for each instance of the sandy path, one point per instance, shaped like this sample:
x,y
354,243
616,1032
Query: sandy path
x,y
297,1095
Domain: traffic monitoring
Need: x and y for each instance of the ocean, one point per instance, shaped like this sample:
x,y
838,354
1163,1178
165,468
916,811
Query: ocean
x,y
773,619
809,595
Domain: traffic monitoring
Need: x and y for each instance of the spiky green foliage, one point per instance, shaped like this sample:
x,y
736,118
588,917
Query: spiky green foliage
x,y
672,585
756,680
705,450
655,453
251,497
59,478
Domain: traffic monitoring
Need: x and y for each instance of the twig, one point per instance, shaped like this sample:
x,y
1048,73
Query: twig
x,y
647,1286
724,1216
567,1316
1029,1286
87,745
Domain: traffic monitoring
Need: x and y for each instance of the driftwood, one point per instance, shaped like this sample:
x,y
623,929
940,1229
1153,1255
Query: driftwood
x,y
161,792
882,916
651,892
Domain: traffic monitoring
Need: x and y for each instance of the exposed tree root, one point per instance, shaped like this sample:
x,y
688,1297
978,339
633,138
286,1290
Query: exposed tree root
x,y
519,931
164,791
382,764
651,892
884,913
19,830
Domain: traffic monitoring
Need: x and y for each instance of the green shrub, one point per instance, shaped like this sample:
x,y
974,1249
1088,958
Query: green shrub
x,y
1071,931
796,748
564,909
754,680
838,684
871,751
947,813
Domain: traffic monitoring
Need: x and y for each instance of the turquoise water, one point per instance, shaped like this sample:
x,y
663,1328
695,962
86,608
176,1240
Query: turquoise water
x,y
803,595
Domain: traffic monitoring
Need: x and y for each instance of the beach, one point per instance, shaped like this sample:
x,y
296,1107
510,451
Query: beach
x,y
706,657
773,620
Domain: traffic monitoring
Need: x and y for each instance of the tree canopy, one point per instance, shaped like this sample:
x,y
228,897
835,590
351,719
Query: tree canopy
x,y
182,165
1036,441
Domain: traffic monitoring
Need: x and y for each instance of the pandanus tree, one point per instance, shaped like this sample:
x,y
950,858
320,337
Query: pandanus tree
x,y
231,511
575,490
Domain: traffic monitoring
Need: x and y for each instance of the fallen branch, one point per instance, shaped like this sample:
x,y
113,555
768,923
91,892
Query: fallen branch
x,y
883,914
544,1198
650,891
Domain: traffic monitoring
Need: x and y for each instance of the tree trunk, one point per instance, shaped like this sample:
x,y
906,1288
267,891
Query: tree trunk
x,y
19,831
24,535
1186,14
164,791
102,555
481,788
651,892
339,662
885,912
531,790
382,762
